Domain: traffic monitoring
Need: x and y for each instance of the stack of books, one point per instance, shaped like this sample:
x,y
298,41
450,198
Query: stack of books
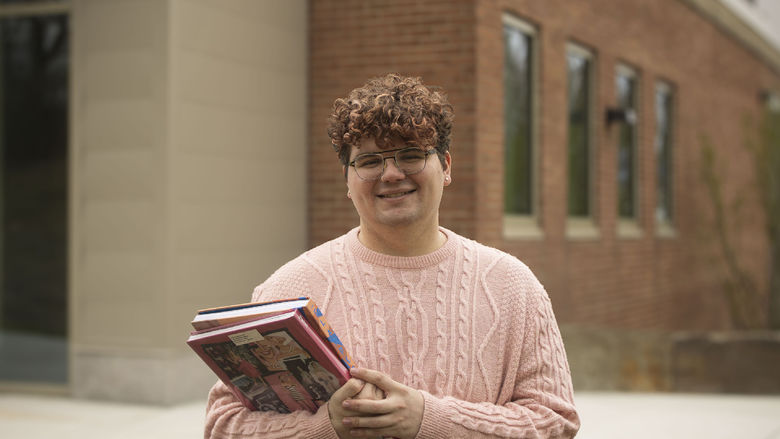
x,y
277,356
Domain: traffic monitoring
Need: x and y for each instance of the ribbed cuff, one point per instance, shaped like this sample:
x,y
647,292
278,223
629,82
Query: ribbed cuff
x,y
437,418
320,426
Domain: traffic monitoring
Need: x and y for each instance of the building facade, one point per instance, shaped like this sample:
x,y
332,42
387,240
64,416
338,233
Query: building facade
x,y
182,119
193,160
612,215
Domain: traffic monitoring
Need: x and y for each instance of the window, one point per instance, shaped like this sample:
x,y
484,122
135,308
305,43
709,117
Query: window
x,y
519,154
626,84
34,95
579,65
663,154
772,103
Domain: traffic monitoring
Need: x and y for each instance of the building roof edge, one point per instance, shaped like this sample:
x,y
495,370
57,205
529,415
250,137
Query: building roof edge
x,y
739,27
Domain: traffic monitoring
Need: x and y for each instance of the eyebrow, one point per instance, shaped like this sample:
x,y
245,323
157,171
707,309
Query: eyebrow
x,y
384,151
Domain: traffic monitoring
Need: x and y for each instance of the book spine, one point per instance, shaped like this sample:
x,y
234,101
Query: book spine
x,y
321,325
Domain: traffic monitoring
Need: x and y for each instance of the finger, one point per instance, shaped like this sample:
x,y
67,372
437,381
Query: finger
x,y
352,387
368,406
371,422
374,377
377,392
370,391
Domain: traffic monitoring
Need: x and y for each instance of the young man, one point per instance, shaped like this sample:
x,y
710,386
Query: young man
x,y
453,338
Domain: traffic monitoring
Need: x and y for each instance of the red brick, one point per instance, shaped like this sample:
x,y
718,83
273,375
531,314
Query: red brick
x,y
650,282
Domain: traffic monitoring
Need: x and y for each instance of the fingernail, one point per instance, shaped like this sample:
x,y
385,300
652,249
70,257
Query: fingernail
x,y
346,421
346,404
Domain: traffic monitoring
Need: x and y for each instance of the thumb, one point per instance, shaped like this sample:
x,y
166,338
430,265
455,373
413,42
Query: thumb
x,y
352,387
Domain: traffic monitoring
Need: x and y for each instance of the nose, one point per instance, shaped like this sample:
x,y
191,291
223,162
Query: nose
x,y
391,171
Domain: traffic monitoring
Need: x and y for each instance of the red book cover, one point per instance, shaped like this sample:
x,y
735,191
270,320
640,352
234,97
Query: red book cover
x,y
277,363
216,317
292,393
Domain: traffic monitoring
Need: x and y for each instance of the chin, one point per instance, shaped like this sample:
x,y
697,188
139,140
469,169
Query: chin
x,y
398,220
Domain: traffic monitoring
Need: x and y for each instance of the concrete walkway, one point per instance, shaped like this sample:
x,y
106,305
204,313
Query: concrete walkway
x,y
34,417
604,415
677,416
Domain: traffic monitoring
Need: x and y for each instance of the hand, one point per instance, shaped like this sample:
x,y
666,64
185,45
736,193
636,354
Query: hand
x,y
336,411
369,391
399,414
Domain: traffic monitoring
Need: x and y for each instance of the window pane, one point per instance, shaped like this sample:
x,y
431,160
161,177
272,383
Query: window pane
x,y
663,154
517,121
8,2
33,136
626,176
579,154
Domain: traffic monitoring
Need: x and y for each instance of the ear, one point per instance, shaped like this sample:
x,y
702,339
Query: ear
x,y
447,169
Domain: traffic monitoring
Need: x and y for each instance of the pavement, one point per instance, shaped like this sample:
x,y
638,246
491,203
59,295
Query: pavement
x,y
34,416
604,416
677,416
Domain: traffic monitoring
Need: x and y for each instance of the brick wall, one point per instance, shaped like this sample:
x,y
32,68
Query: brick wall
x,y
645,282
354,40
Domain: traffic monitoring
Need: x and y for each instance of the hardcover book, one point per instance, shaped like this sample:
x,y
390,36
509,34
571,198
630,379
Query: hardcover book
x,y
275,362
215,317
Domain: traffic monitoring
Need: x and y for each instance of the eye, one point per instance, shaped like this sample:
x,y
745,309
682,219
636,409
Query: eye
x,y
370,161
411,155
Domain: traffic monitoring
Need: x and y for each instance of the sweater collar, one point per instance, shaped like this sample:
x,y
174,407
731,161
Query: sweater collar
x,y
375,258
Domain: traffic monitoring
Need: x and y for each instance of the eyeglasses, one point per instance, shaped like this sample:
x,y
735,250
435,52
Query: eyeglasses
x,y
371,165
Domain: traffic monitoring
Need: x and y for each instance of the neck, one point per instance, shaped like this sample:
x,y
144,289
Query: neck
x,y
402,241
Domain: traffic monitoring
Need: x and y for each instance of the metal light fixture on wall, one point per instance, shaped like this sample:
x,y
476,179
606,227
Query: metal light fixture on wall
x,y
771,100
622,115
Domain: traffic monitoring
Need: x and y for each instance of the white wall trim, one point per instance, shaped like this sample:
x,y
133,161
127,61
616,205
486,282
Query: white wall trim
x,y
724,16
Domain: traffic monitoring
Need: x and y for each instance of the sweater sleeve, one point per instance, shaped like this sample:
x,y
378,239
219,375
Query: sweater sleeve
x,y
541,405
226,417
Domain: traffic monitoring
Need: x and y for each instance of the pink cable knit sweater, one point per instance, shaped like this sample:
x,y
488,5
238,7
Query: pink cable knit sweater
x,y
469,326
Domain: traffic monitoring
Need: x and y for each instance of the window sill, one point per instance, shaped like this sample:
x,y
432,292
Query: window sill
x,y
522,227
665,230
583,228
628,229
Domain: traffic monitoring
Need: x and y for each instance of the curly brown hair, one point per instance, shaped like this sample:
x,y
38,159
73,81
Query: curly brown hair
x,y
391,107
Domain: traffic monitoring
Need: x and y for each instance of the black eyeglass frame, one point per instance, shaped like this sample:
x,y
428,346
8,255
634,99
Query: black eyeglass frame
x,y
394,156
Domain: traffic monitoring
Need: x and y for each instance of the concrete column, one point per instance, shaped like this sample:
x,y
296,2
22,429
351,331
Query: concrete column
x,y
188,179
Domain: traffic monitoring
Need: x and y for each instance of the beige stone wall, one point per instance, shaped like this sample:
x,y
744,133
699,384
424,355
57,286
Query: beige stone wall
x,y
188,179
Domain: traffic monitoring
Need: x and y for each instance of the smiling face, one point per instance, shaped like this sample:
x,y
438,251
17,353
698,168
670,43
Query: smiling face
x,y
398,203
